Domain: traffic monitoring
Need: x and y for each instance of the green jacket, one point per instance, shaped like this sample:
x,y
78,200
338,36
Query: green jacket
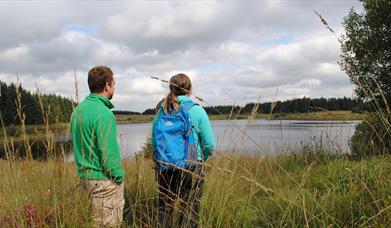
x,y
203,133
94,135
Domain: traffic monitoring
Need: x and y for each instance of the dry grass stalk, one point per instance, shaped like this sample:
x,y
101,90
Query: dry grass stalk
x,y
231,112
273,104
49,137
76,87
383,96
324,22
22,118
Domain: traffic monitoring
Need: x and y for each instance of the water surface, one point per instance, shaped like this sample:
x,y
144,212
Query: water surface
x,y
271,137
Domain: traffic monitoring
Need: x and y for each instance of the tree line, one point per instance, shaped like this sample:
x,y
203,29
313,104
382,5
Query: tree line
x,y
59,109
299,105
16,102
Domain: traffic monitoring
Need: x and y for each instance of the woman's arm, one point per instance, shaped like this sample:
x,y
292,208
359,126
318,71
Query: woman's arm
x,y
157,111
206,134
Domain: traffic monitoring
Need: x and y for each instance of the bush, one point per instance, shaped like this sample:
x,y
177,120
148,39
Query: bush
x,y
359,110
147,150
372,136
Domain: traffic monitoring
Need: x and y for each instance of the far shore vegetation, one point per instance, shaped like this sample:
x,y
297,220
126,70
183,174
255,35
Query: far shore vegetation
x,y
319,116
39,131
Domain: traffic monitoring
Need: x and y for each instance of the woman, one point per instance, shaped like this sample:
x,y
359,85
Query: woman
x,y
174,182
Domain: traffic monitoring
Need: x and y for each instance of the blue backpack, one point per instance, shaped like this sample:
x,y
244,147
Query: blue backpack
x,y
175,144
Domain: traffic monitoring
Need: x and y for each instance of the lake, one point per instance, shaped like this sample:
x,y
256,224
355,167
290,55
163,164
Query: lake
x,y
257,137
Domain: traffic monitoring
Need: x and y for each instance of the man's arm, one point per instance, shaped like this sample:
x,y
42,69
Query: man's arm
x,y
109,148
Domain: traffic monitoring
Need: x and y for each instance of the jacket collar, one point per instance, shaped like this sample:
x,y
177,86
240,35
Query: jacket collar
x,y
97,97
182,99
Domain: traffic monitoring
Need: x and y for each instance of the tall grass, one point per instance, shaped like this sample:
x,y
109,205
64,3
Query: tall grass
x,y
302,189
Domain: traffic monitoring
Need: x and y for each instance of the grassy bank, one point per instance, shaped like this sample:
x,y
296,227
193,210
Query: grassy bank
x,y
123,119
31,132
323,115
291,190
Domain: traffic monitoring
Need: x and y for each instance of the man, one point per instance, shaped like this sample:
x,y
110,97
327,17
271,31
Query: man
x,y
96,150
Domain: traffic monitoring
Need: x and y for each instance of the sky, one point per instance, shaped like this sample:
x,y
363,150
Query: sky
x,y
235,52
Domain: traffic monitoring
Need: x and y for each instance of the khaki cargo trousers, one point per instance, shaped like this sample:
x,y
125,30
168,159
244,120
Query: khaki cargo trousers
x,y
107,202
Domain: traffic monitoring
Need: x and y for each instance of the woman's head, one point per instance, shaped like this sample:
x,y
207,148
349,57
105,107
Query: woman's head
x,y
180,84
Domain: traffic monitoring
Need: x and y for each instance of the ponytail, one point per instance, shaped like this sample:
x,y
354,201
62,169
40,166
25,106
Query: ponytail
x,y
170,103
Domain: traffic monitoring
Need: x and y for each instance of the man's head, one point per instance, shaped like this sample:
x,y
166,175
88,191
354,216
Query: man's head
x,y
101,81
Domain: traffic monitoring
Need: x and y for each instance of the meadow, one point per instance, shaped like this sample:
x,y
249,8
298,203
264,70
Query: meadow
x,y
308,188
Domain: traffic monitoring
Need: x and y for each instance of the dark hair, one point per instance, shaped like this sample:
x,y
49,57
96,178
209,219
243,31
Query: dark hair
x,y
180,84
98,77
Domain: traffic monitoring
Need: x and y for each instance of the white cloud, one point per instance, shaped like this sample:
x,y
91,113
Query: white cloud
x,y
233,51
328,69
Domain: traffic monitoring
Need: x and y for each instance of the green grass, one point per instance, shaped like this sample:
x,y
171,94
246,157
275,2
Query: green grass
x,y
122,119
290,190
323,115
33,131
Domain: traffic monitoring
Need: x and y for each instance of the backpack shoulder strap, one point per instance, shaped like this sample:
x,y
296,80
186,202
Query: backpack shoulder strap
x,y
188,105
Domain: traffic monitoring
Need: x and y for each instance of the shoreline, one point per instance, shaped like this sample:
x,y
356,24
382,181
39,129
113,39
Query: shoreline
x,y
324,115
34,132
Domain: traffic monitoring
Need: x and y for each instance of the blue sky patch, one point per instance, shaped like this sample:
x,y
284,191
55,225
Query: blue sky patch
x,y
91,30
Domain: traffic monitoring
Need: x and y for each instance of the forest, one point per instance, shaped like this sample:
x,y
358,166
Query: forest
x,y
299,105
18,105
